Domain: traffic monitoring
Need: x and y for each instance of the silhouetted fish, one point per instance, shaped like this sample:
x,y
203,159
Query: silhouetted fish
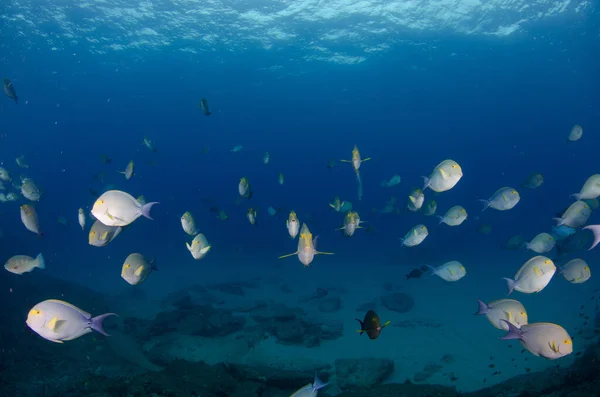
x,y
371,325
204,106
93,193
9,90
417,273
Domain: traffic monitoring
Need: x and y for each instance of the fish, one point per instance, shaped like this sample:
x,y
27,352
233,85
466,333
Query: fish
x,y
311,389
280,179
575,134
59,321
12,196
485,229
449,271
244,188
118,208
533,181
188,224
415,200
394,180
590,189
141,199
547,340
533,276
251,215
454,216
415,236
331,163
417,272
21,162
576,271
5,175
371,325
443,177
204,107
509,310
429,208
337,204
149,144
356,161
30,219
20,264
81,218
100,234
136,269
307,247
562,232
266,158
503,199
9,90
237,148
128,172
575,216
541,244
222,216
3,198
574,243
105,159
292,224
199,247
351,223
30,190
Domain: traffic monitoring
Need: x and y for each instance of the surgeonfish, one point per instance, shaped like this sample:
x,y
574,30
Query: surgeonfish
x,y
429,208
128,172
533,181
415,236
251,215
311,389
394,180
81,218
307,247
351,223
266,158
449,271
371,325
20,264
149,144
533,276
59,321
21,162
9,90
30,219
100,234
356,162
576,271
199,247
5,175
117,208
454,216
509,310
337,204
29,189
236,149
244,188
503,199
204,107
576,215
415,200
541,244
136,269
590,189
575,134
189,224
444,176
547,340
292,224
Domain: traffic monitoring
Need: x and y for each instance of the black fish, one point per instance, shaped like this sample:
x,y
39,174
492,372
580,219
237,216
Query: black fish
x,y
204,106
371,325
417,273
9,90
93,193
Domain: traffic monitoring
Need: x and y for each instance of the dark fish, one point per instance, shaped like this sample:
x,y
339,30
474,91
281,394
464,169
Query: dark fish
x,y
331,163
105,159
417,273
371,325
9,90
214,209
93,193
204,106
579,241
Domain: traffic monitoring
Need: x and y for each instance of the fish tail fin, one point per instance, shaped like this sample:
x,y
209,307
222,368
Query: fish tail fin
x,y
576,196
486,204
153,264
426,182
146,209
510,285
559,221
596,230
482,309
96,323
513,332
441,218
318,383
362,326
360,186
41,263
432,269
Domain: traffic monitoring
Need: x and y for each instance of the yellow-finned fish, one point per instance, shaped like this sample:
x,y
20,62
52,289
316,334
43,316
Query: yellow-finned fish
x,y
251,214
128,170
307,247
292,224
356,162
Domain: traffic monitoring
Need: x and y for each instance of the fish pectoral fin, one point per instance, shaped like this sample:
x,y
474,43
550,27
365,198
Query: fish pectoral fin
x,y
324,253
538,272
288,255
554,347
346,161
367,159
443,173
509,316
412,199
386,324
55,324
139,271
360,331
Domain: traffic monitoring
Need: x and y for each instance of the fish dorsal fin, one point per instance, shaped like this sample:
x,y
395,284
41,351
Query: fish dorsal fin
x,y
67,304
55,324
139,271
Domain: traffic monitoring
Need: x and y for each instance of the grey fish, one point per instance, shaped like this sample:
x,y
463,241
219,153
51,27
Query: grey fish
x,y
204,106
9,90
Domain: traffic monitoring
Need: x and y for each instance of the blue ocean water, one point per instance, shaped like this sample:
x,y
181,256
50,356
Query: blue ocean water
x,y
500,105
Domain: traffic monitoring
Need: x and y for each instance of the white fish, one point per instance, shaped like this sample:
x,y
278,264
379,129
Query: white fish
x,y
128,172
497,312
590,189
189,224
251,215
100,234
21,162
533,276
237,148
575,134
136,269
415,200
199,247
266,158
81,218
307,247
546,340
415,236
449,271
3,198
30,190
351,223
444,176
454,216
576,271
311,389
576,215
20,264
292,224
503,199
541,244
4,175
117,208
30,219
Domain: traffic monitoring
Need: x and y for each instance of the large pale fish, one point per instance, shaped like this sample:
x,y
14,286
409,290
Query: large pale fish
x,y
292,224
576,271
444,176
307,247
449,271
9,90
533,276
310,390
136,269
454,216
541,244
576,215
59,321
497,312
20,264
117,208
30,219
199,247
100,234
545,340
356,159
503,199
189,224
590,189
415,236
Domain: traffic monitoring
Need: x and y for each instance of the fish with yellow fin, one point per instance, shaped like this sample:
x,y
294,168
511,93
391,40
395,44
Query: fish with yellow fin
x,y
307,247
356,162
371,325
292,224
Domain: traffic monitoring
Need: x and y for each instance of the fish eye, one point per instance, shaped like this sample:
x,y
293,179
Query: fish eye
x,y
547,261
567,341
34,312
127,265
